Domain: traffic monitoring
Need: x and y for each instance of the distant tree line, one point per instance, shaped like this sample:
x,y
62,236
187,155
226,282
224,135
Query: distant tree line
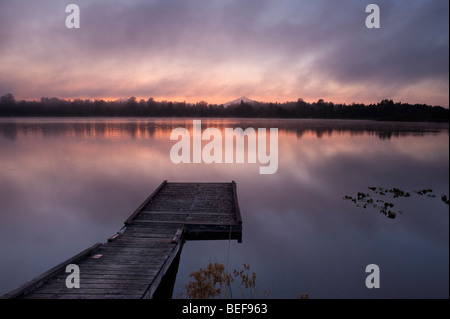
x,y
385,110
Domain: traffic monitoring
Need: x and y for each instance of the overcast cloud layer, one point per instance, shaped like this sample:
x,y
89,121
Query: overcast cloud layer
x,y
217,50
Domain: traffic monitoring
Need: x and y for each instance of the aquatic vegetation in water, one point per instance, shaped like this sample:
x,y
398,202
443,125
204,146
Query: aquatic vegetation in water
x,y
215,282
365,200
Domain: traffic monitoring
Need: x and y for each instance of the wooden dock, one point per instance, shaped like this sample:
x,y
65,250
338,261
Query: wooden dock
x,y
141,260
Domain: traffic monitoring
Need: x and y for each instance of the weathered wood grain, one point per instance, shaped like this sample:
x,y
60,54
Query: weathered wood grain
x,y
133,262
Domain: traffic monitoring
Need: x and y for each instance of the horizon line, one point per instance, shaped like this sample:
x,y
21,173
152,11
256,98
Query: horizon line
x,y
200,100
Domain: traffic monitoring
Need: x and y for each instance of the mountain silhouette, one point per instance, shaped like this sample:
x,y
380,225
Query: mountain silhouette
x,y
237,101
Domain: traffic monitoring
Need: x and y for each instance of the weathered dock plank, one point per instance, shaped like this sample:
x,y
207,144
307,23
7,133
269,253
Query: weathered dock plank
x,y
134,262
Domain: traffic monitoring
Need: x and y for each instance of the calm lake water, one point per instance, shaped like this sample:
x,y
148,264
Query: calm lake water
x,y
69,183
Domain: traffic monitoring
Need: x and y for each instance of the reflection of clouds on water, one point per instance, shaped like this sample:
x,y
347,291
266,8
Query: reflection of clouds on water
x,y
62,192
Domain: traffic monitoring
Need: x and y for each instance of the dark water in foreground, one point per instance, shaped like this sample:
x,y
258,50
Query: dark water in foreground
x,y
69,183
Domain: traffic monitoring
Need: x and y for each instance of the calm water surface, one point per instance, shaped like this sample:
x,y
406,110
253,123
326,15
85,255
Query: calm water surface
x,y
69,183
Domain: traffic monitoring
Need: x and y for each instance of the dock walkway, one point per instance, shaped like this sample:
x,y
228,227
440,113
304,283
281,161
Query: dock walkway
x,y
141,260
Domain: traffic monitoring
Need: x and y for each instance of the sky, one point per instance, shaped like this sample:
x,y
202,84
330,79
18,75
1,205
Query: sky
x,y
219,50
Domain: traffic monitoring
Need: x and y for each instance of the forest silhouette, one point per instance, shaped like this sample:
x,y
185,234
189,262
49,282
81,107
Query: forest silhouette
x,y
386,110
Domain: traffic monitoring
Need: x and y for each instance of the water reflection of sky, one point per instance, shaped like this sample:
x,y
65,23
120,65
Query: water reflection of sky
x,y
66,184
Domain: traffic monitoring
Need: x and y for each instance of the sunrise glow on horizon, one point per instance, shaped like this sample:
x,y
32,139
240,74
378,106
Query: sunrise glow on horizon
x,y
217,51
